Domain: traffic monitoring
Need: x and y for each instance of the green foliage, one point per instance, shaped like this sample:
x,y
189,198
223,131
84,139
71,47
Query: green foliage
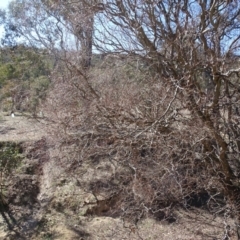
x,y
24,75
6,73
10,157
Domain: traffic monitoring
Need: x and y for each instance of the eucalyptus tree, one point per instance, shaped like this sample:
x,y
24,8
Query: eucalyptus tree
x,y
78,17
56,25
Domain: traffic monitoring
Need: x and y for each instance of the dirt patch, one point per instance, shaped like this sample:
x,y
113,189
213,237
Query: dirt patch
x,y
20,128
197,224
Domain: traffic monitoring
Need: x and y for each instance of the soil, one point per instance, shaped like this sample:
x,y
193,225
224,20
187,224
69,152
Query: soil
x,y
20,128
48,204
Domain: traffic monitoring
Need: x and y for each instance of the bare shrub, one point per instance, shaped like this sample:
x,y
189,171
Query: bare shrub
x,y
154,145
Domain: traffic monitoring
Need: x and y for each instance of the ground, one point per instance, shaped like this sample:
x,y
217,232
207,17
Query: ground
x,y
48,204
20,128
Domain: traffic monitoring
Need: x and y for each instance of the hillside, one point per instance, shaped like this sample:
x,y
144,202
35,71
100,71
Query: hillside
x,y
45,202
127,120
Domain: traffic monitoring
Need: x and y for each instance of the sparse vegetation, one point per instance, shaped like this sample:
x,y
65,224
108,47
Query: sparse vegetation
x,y
24,78
141,107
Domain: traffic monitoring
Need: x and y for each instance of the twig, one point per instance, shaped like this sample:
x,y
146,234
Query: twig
x,y
164,114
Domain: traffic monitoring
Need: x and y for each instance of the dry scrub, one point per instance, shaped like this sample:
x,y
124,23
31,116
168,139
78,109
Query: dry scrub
x,y
140,132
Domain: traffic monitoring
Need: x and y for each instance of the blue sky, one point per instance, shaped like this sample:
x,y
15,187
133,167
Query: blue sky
x,y
4,3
